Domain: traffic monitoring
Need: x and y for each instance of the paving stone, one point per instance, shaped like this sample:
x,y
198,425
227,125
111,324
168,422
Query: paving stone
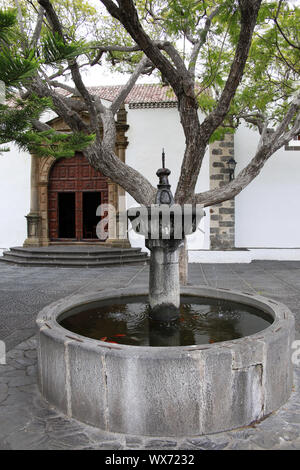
x,y
44,413
4,380
25,440
25,361
109,446
73,440
13,417
97,435
31,370
290,433
19,381
160,444
242,445
208,443
62,428
27,421
272,422
16,364
16,354
242,434
13,373
3,392
290,417
266,440
17,396
133,441
31,353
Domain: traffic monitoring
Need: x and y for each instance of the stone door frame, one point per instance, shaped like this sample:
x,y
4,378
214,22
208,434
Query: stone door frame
x,y
37,219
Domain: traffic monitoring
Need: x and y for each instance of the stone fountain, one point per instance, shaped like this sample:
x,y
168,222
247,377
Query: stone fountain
x,y
152,390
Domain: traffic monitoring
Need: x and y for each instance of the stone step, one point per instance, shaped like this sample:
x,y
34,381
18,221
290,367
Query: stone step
x,y
99,256
78,263
72,251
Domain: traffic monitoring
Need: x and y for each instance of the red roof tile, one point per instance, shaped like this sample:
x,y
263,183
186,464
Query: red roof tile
x,y
143,93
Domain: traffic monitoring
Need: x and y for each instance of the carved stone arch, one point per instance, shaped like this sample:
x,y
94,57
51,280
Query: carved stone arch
x,y
45,168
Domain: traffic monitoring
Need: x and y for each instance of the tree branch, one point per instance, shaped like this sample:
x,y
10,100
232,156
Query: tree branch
x,y
70,116
95,123
201,41
21,24
38,27
280,29
194,155
249,11
52,16
126,13
269,143
112,48
119,100
57,27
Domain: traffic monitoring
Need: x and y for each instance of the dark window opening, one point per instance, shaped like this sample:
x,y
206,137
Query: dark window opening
x,y
66,215
90,202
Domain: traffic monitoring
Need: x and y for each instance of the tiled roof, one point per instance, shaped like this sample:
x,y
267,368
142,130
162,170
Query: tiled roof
x,y
143,93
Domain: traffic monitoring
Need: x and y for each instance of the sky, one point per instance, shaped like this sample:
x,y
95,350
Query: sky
x,y
101,76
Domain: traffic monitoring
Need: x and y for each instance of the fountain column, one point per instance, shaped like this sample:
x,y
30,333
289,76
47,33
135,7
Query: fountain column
x,y
164,285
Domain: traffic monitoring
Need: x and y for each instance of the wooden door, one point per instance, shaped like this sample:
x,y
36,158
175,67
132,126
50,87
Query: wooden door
x,y
73,175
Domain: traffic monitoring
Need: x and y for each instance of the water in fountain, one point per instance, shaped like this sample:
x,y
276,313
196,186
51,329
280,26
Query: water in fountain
x,y
201,321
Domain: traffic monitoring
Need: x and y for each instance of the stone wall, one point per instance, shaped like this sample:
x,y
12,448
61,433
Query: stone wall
x,y
222,216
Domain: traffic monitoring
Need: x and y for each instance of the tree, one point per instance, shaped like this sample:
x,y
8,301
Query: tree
x,y
240,62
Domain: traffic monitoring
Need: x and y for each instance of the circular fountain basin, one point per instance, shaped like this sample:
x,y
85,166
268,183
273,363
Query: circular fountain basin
x,y
166,390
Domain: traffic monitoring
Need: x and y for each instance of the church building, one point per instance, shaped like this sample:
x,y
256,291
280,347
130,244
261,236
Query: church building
x,y
47,202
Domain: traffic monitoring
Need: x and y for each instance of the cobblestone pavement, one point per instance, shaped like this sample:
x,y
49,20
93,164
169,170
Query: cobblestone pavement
x,y
24,291
28,422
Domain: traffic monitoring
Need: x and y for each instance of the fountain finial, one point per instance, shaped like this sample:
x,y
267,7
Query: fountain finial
x,y
164,194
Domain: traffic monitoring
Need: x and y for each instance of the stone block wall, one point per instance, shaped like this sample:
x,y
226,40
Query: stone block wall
x,y
222,216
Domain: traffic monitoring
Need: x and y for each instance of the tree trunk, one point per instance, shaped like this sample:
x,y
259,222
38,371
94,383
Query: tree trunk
x,y
183,264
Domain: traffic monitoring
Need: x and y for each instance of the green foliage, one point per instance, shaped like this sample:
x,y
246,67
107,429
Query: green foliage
x,y
271,74
7,21
56,50
16,125
18,64
16,70
51,143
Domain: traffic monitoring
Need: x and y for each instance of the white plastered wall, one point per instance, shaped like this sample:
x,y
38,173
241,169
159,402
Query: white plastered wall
x,y
151,130
267,211
14,196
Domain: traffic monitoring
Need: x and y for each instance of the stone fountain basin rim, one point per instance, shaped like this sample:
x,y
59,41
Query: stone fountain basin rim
x,y
47,318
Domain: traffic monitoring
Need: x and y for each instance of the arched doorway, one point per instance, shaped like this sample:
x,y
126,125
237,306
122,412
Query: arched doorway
x,y
75,191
